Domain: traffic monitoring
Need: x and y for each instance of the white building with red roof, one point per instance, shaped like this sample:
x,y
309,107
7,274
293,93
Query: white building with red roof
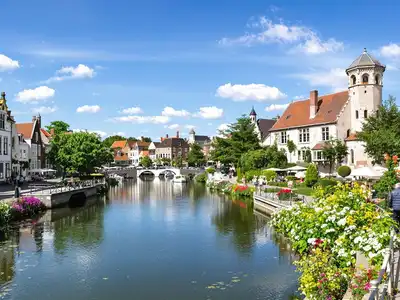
x,y
310,123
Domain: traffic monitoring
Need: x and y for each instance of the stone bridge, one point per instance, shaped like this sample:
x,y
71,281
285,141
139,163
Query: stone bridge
x,y
158,172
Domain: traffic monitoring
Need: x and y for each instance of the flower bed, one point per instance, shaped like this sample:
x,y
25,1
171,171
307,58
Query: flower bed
x,y
227,187
338,223
23,208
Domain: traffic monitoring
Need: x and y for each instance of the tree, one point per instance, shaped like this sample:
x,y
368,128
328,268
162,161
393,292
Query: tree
x,y
381,131
269,157
111,139
334,151
311,175
146,139
195,156
79,152
239,138
58,127
143,139
166,161
291,147
145,161
178,162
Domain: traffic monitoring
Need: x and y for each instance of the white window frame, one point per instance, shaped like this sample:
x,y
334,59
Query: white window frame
x,y
304,135
283,137
325,133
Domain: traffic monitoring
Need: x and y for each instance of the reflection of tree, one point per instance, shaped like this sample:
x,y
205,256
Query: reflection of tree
x,y
84,228
7,259
241,223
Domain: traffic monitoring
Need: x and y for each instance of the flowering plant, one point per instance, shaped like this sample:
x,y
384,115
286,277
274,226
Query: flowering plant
x,y
284,194
26,207
360,284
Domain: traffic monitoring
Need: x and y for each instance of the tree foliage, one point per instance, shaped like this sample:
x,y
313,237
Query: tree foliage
x,y
344,171
311,175
334,151
269,157
58,127
146,161
239,138
111,139
381,131
195,156
79,152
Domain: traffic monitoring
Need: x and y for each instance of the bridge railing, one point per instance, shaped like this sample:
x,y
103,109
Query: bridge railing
x,y
62,186
274,197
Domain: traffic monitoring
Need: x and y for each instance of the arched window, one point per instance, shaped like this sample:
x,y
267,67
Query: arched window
x,y
352,156
377,79
348,133
365,78
353,79
365,114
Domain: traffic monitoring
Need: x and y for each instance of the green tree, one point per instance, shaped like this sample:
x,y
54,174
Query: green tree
x,y
166,161
311,175
79,152
381,131
269,157
177,162
239,138
195,156
58,127
145,161
291,147
334,151
111,139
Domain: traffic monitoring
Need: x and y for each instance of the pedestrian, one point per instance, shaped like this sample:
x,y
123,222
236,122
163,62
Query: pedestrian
x,y
394,203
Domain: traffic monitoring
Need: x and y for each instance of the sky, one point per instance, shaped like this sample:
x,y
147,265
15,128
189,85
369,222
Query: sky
x,y
150,68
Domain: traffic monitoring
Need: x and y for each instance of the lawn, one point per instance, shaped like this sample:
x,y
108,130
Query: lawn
x,y
304,190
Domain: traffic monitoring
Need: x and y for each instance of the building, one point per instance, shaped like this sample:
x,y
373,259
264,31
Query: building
x,y
121,152
138,149
6,123
312,122
31,133
262,126
201,140
172,148
46,138
152,150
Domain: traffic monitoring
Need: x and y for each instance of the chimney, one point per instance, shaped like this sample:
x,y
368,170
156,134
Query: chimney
x,y
33,119
166,136
313,103
177,134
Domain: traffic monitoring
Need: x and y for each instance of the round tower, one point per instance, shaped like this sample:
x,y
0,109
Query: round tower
x,y
192,136
253,115
365,81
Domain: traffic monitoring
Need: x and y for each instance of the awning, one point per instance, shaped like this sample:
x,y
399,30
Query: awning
x,y
367,172
275,169
295,168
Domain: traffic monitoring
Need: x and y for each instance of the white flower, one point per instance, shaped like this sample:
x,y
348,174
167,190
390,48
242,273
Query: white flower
x,y
330,230
324,225
367,248
342,222
311,240
358,240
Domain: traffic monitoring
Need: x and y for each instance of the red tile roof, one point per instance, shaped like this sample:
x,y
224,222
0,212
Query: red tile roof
x,y
298,113
25,129
45,132
319,146
143,144
118,144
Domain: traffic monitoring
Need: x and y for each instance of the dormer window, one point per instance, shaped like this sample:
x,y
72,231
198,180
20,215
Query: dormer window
x,y
365,79
353,79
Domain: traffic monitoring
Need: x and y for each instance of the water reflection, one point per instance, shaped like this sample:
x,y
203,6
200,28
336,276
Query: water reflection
x,y
147,232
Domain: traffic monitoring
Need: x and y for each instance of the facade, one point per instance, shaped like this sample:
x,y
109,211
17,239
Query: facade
x,y
31,133
203,141
121,152
152,150
262,126
6,122
172,148
46,137
312,122
137,150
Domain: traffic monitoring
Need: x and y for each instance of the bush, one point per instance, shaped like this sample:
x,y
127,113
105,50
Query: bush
x,y
210,170
311,175
291,178
272,190
274,183
326,182
249,175
26,207
4,213
239,174
269,174
201,177
344,171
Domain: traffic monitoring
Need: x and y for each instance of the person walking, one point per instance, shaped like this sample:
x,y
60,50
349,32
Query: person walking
x,y
394,202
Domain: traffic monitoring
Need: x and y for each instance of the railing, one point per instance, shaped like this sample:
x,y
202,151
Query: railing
x,y
274,197
62,187
383,287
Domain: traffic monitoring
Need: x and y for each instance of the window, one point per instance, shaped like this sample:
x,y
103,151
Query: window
x,y
376,79
365,78
5,150
304,136
353,79
7,170
319,155
352,156
325,133
36,137
356,114
0,143
348,133
283,137
2,121
365,114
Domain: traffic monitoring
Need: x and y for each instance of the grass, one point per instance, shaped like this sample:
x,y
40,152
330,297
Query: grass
x,y
304,190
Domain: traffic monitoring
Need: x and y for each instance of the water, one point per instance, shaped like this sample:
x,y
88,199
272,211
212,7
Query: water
x,y
150,240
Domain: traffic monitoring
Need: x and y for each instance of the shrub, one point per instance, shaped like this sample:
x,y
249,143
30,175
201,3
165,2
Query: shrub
x,y
275,183
272,190
344,171
4,213
291,178
311,175
326,182
285,194
239,174
201,177
269,174
249,175
210,170
26,207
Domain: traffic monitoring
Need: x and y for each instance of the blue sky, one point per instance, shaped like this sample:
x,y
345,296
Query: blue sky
x,y
155,67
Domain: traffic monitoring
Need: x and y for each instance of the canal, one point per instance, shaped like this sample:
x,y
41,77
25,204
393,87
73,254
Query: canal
x,y
148,240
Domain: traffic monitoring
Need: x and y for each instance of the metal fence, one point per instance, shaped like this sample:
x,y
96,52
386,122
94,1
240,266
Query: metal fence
x,y
62,186
292,197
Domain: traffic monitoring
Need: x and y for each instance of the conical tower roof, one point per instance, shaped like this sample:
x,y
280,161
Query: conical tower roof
x,y
253,112
365,60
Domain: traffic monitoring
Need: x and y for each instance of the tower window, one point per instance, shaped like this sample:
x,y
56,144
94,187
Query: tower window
x,y
365,114
365,78
353,79
348,133
356,114
376,79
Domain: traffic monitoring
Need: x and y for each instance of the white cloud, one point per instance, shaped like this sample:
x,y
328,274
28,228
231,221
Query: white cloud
x,y
43,110
334,78
210,112
172,112
132,111
268,32
274,107
7,64
222,127
172,126
41,93
188,126
392,50
88,109
299,97
253,91
391,67
121,133
100,133
142,119
78,72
